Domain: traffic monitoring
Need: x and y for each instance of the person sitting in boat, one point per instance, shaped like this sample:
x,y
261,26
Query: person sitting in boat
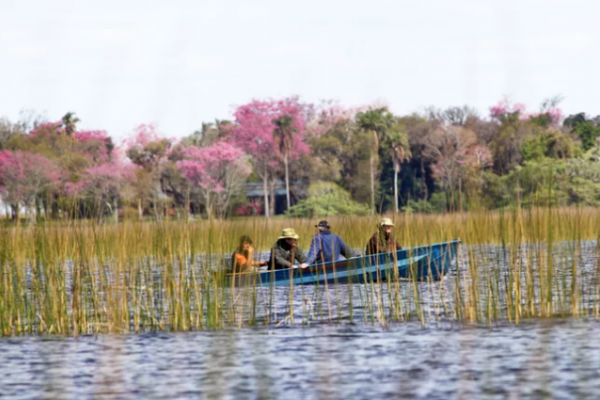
x,y
326,246
286,252
242,257
383,240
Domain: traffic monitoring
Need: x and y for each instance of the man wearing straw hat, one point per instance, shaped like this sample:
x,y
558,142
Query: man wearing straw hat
x,y
383,240
286,251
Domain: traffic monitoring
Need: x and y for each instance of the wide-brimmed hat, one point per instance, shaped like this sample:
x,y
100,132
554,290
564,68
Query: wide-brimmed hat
x,y
386,222
289,233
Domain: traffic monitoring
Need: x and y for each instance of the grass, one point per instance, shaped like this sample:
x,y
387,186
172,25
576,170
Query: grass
x,y
79,277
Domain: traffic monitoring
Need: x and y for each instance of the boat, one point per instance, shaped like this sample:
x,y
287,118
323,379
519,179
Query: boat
x,y
430,262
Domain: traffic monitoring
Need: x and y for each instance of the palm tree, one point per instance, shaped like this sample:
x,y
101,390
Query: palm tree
x,y
284,134
400,149
376,121
70,121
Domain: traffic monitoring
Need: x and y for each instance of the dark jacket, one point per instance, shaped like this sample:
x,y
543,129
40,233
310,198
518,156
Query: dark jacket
x,y
326,246
283,255
380,243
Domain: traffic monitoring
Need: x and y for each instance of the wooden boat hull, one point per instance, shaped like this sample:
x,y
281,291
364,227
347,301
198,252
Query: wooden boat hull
x,y
422,263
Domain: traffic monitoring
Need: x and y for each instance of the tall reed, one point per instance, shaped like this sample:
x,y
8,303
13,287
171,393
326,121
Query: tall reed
x,y
80,277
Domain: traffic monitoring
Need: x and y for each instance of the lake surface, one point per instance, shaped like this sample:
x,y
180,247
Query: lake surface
x,y
545,359
339,347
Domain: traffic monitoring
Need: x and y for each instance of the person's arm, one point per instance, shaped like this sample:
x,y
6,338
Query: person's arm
x,y
345,250
281,260
312,252
300,256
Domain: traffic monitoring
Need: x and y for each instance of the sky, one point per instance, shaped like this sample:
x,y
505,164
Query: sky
x,y
118,64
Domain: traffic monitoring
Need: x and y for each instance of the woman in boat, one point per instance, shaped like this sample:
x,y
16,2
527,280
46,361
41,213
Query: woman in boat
x,y
383,240
286,252
242,257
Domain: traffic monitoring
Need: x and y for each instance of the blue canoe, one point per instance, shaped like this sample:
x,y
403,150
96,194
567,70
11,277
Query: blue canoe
x,y
429,262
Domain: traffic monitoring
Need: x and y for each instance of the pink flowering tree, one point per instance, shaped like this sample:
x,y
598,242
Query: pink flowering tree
x,y
24,176
217,171
101,185
149,151
96,145
271,132
550,115
328,115
456,152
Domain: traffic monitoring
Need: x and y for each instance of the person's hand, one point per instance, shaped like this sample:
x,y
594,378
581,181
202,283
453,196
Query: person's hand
x,y
263,263
303,265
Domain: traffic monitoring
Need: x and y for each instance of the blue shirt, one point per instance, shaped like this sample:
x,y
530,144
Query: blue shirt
x,y
326,247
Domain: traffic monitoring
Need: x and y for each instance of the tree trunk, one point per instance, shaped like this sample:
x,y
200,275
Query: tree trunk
x,y
287,181
100,209
265,192
116,209
396,186
372,186
187,207
208,206
272,192
140,210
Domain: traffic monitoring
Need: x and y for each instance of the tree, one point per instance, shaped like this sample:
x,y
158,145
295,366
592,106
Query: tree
x,y
400,151
218,171
284,135
149,151
69,122
101,185
375,122
586,129
254,132
24,176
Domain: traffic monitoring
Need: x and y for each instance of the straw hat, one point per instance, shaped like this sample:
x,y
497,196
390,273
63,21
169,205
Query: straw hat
x,y
289,233
386,222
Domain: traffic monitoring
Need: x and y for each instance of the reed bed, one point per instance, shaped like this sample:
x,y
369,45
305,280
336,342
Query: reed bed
x,y
80,277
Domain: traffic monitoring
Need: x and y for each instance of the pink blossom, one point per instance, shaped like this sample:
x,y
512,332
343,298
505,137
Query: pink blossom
x,y
255,127
24,175
84,136
205,166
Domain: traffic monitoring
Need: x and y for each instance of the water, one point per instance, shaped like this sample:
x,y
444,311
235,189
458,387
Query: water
x,y
324,355
536,360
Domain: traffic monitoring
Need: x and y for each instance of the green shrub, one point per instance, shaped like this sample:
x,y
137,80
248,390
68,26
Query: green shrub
x,y
327,199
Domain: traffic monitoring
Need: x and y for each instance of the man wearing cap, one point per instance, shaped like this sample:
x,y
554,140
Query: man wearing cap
x,y
326,246
383,240
286,251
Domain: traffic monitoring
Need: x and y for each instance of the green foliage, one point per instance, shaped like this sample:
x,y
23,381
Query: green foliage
x,y
342,156
588,134
327,199
436,204
551,144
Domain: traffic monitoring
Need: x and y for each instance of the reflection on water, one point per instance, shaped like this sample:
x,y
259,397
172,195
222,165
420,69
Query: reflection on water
x,y
535,360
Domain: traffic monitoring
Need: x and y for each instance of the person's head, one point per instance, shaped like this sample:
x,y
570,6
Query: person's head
x,y
323,226
245,243
386,225
290,236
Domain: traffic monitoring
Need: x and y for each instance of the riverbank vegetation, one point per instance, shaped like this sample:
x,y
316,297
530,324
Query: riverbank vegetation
x,y
305,160
80,277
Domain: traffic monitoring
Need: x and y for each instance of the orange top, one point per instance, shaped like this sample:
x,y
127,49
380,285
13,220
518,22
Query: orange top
x,y
240,259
